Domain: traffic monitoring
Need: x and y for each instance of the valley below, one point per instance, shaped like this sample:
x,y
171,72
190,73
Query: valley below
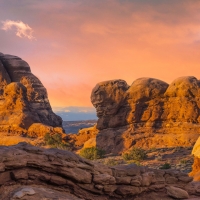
x,y
75,126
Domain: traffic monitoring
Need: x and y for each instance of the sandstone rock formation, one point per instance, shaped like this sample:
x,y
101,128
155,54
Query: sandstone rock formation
x,y
196,165
23,98
85,137
149,113
33,173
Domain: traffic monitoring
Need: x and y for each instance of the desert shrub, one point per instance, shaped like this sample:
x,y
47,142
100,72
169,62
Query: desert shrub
x,y
153,149
183,161
92,153
165,166
111,162
55,141
135,154
134,162
159,157
178,149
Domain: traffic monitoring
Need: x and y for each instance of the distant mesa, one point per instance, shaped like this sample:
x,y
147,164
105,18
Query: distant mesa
x,y
23,99
149,113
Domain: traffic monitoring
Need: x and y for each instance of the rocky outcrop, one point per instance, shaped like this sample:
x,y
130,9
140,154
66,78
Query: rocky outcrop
x,y
196,165
85,137
23,98
149,113
25,170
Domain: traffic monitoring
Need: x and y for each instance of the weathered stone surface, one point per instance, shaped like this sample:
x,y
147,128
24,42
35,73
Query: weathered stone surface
x,y
4,79
58,180
85,137
147,113
123,180
171,180
65,174
137,181
39,130
177,193
23,192
112,96
15,110
37,193
23,98
147,178
196,165
127,170
128,190
104,179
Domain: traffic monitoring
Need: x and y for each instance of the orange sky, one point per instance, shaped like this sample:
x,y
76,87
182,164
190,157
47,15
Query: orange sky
x,y
80,43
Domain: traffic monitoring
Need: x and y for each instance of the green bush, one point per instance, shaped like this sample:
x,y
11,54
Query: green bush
x,y
134,162
55,141
183,161
165,166
111,162
135,154
92,153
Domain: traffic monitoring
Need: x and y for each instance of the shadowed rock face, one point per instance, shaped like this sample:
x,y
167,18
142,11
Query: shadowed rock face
x,y
107,98
149,113
23,98
4,79
63,173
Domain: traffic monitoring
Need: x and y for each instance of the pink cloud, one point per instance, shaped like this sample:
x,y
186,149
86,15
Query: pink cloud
x,y
22,29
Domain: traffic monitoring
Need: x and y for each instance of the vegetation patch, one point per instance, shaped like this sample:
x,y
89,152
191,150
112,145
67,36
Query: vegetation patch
x,y
111,162
165,166
136,162
55,141
183,161
136,154
92,153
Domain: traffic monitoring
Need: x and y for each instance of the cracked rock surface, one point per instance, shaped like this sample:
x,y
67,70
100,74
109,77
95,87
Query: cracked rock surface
x,y
35,173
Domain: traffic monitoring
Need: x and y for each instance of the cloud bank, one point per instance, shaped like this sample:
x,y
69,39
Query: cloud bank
x,y
23,30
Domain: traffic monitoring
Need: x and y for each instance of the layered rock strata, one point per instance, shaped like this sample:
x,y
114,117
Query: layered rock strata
x,y
23,166
23,98
149,113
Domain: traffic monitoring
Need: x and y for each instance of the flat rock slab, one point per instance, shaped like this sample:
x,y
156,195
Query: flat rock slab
x,y
39,193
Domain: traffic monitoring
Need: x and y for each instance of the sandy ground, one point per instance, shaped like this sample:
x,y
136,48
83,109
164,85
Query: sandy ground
x,y
179,158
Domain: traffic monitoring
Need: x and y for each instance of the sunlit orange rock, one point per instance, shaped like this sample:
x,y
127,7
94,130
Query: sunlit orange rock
x,y
23,98
196,165
149,113
85,137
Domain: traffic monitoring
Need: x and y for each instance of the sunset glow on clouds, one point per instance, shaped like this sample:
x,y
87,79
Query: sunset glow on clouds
x,y
23,30
80,43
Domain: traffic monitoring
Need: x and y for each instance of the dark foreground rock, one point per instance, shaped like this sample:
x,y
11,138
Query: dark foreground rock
x,y
29,172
